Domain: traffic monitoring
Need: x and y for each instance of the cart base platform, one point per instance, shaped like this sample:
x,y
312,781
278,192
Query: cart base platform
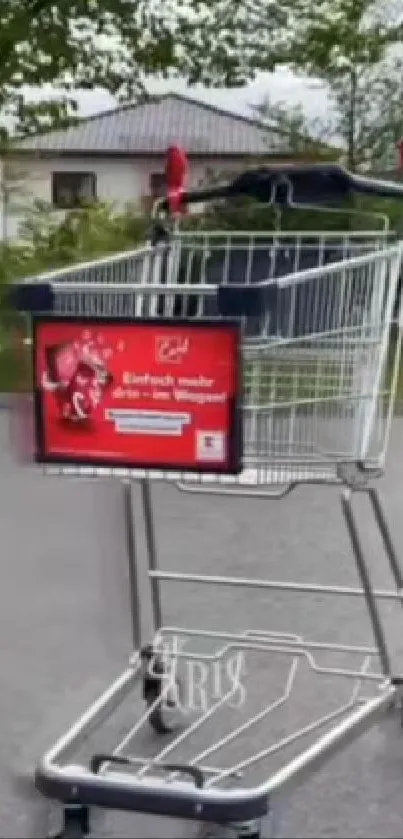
x,y
172,780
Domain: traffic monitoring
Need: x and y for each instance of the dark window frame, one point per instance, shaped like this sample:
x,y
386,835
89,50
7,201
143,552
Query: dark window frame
x,y
73,181
158,185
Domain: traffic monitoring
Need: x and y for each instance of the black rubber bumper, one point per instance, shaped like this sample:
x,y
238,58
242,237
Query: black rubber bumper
x,y
183,801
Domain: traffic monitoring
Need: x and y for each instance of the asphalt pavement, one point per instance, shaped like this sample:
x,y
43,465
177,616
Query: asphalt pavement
x,y
65,629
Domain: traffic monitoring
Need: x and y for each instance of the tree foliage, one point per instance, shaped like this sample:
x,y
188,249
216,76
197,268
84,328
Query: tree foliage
x,y
305,138
335,35
349,44
375,128
116,45
369,113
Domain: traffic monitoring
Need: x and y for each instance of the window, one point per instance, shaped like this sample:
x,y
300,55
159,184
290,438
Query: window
x,y
72,189
158,185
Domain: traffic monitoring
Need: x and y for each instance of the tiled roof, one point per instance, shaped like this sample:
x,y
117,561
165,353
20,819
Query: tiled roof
x,y
152,126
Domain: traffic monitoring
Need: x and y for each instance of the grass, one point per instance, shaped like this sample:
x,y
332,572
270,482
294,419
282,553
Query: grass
x,y
7,372
276,381
284,380
272,376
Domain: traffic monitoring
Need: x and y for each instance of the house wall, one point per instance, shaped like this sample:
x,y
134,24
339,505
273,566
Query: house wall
x,y
119,181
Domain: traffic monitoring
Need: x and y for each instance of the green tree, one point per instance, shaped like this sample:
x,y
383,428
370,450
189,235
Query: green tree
x,y
314,139
369,113
117,44
310,138
349,45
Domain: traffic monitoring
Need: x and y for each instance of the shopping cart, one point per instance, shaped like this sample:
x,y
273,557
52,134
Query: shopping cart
x,y
320,358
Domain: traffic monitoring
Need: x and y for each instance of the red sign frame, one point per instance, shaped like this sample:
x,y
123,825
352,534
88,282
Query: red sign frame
x,y
146,394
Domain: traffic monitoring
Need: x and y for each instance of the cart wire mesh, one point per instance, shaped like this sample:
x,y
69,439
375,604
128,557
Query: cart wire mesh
x,y
319,365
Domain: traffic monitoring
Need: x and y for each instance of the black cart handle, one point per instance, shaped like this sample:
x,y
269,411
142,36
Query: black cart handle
x,y
286,184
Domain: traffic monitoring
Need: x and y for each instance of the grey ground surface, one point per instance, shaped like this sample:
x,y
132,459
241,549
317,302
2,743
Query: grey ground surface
x,y
65,631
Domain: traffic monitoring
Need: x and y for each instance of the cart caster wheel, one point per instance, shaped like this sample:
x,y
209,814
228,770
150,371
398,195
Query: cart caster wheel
x,y
259,829
164,716
76,823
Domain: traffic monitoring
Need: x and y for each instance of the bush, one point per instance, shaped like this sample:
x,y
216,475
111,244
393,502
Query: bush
x,y
84,234
358,214
47,242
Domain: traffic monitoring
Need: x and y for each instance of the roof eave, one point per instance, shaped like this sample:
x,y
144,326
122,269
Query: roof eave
x,y
97,153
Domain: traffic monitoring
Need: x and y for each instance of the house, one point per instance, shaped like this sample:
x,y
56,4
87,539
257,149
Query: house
x,y
119,156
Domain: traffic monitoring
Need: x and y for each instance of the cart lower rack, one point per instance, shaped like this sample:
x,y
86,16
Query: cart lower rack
x,y
196,773
319,363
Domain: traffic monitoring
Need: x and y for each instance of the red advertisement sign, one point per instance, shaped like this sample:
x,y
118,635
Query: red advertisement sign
x,y
145,394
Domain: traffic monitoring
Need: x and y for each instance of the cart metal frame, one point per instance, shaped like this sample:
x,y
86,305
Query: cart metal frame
x,y
190,790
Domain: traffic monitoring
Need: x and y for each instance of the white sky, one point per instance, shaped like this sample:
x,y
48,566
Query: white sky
x,y
282,85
